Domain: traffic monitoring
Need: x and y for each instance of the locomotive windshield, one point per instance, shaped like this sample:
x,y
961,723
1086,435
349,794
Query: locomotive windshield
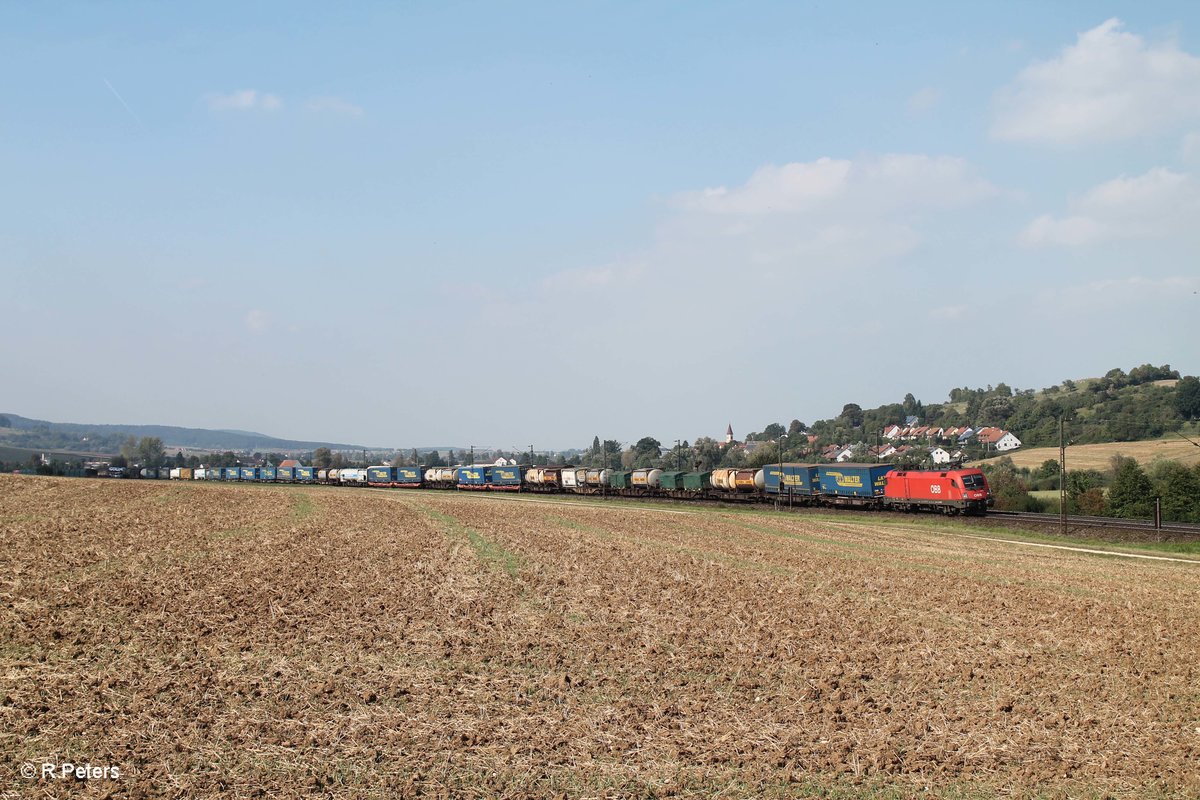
x,y
974,481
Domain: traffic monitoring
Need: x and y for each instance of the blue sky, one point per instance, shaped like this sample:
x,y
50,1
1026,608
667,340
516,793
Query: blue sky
x,y
475,223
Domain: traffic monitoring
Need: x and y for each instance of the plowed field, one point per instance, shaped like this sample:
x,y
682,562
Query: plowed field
x,y
277,641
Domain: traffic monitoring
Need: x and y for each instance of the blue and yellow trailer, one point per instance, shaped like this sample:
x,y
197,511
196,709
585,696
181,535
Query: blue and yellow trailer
x,y
799,480
381,476
474,477
409,477
853,482
507,479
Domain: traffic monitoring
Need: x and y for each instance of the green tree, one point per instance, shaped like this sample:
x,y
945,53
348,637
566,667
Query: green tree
x,y
1048,469
996,410
1179,488
796,428
1187,397
772,432
1091,503
150,451
707,454
1080,485
322,458
1131,494
646,452
1010,491
5,422
852,413
129,449
768,454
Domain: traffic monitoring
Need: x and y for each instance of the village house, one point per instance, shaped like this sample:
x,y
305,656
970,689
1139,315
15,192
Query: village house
x,y
939,455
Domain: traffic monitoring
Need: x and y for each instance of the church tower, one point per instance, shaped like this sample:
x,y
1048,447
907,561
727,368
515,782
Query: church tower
x,y
729,434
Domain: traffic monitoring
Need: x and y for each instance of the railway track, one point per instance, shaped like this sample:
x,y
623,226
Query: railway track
x,y
1076,522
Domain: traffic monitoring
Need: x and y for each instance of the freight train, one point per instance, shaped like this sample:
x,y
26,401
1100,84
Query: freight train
x,y
870,486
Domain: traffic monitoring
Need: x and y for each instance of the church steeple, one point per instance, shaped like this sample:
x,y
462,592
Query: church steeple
x,y
729,434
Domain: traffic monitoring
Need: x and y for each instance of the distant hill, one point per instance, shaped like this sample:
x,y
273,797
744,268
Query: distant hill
x,y
77,437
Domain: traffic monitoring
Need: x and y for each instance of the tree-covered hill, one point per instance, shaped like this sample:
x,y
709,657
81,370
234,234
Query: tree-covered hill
x,y
1144,403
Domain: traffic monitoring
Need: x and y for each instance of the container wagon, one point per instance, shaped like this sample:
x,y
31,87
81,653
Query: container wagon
x,y
381,476
852,484
409,477
506,479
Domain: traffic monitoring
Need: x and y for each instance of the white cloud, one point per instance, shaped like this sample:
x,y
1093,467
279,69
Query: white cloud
x,y
923,100
257,320
1159,203
1109,85
1069,231
948,313
333,105
882,184
244,100
816,224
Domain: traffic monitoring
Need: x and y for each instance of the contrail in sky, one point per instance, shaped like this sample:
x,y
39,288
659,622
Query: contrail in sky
x,y
122,100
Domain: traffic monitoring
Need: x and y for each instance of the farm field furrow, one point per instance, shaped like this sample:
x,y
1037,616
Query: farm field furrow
x,y
269,641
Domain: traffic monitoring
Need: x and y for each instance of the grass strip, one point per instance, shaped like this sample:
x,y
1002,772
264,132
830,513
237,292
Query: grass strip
x,y
485,549
302,506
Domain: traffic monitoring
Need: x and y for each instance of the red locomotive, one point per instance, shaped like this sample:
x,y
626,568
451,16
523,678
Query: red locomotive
x,y
952,491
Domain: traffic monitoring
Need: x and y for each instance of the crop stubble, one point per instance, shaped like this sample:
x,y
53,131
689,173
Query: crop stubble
x,y
276,640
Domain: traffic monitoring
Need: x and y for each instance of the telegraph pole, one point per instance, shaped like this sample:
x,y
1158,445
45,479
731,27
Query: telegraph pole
x,y
779,493
1062,478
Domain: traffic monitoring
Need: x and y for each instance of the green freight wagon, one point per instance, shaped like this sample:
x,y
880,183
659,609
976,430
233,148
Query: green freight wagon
x,y
671,480
619,479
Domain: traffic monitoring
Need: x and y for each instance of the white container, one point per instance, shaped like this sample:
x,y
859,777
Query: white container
x,y
648,478
722,478
597,477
